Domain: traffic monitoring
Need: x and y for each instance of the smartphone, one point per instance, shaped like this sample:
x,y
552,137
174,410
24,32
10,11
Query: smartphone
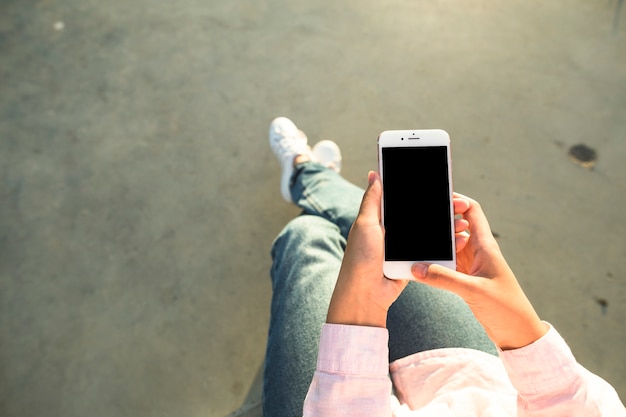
x,y
416,209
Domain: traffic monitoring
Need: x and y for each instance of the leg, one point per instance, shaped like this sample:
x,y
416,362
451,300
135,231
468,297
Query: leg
x,y
306,257
425,318
323,192
306,260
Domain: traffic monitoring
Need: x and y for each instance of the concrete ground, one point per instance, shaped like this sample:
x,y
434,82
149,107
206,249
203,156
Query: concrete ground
x,y
139,198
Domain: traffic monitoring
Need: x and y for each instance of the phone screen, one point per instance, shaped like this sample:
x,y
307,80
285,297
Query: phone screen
x,y
416,204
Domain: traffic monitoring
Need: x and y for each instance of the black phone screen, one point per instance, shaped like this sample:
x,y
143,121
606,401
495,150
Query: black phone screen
x,y
416,204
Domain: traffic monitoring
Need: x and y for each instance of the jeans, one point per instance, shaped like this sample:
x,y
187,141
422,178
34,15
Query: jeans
x,y
306,257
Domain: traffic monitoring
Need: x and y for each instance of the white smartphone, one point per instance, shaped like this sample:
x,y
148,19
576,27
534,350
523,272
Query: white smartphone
x,y
417,210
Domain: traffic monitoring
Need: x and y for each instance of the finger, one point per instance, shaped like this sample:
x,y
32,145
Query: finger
x,y
461,204
370,205
460,241
445,278
478,225
460,225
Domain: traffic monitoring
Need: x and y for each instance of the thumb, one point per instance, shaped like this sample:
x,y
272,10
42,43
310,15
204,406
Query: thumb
x,y
439,276
370,205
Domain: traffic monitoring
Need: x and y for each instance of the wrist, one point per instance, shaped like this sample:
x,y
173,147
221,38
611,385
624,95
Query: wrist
x,y
348,310
526,336
357,321
352,320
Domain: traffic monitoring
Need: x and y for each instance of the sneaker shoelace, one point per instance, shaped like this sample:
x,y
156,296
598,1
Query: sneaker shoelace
x,y
291,145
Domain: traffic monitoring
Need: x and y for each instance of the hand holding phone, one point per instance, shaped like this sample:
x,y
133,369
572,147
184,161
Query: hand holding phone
x,y
487,284
417,207
363,295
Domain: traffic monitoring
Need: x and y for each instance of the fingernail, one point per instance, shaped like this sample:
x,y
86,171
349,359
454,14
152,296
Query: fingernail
x,y
371,176
419,269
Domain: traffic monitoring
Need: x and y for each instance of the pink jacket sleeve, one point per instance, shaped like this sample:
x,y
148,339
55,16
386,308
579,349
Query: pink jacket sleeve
x,y
352,379
352,373
550,382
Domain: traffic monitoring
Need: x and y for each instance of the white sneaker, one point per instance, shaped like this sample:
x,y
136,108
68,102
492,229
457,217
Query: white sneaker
x,y
287,142
328,154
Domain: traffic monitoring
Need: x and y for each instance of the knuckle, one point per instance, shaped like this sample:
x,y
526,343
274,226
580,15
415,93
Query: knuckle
x,y
436,274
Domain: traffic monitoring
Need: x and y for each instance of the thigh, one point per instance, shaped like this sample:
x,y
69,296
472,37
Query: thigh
x,y
425,318
306,260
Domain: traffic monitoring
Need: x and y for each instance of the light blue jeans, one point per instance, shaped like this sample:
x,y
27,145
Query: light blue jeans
x,y
306,257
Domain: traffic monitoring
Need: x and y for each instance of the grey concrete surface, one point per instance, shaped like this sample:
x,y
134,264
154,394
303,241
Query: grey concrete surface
x,y
139,198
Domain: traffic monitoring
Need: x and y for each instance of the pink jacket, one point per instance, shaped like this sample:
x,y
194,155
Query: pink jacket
x,y
354,378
